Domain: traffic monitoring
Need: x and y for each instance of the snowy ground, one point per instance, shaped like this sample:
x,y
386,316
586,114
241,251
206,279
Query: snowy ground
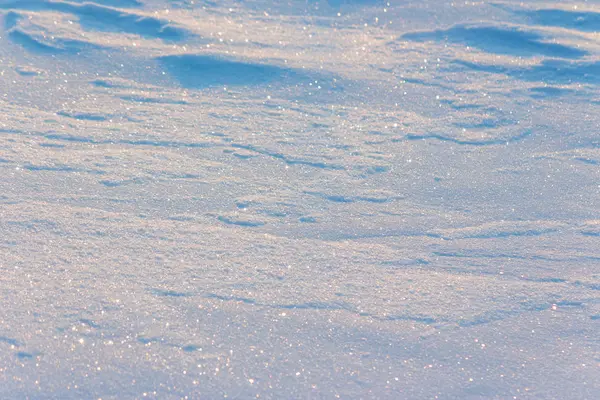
x,y
299,199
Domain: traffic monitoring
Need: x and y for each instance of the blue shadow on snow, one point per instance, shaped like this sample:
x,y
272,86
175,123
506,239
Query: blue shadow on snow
x,y
548,71
585,21
499,40
96,17
200,71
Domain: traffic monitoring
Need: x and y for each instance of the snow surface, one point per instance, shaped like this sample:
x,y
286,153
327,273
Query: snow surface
x,y
299,199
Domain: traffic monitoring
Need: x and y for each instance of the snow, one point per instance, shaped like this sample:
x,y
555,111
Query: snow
x,y
299,199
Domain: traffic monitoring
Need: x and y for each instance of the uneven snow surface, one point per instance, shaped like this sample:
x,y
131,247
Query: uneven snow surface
x,y
300,199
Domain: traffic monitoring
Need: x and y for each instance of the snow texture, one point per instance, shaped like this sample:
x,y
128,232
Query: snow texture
x,y
299,199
